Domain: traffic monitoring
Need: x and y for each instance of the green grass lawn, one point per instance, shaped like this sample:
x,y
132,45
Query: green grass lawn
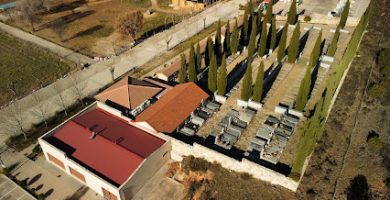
x,y
26,66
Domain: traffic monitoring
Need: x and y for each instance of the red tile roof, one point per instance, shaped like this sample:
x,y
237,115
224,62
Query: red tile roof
x,y
129,92
173,108
117,149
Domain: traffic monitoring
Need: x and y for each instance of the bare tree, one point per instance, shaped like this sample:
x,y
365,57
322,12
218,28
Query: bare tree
x,y
12,87
204,22
41,107
168,40
78,86
59,27
112,71
61,98
130,23
29,10
13,120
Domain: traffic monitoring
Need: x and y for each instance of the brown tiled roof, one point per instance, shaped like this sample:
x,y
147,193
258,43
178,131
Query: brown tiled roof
x,y
129,92
173,108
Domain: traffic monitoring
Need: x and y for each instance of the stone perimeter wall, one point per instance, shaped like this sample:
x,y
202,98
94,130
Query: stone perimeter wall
x,y
181,149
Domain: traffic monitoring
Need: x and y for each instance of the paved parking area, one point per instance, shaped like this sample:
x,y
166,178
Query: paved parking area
x,y
159,187
11,191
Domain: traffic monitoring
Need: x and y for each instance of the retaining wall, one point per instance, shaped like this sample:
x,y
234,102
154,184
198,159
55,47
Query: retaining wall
x,y
181,149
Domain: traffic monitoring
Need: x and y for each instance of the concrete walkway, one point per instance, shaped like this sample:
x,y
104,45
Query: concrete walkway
x,y
27,111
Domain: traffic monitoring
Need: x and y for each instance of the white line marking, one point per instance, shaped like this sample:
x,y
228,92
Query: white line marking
x,y
24,194
9,192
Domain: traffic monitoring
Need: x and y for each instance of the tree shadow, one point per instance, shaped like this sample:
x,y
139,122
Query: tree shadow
x,y
35,179
65,7
85,32
78,194
38,187
48,193
12,167
67,19
153,31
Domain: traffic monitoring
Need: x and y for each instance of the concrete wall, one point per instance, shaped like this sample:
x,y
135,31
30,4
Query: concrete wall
x,y
91,180
149,167
181,149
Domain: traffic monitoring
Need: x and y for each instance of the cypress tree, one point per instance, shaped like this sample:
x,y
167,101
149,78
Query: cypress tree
x,y
191,66
222,74
244,32
246,90
198,58
317,49
333,45
217,45
252,40
209,51
250,8
234,39
292,13
263,40
183,70
273,34
259,18
282,44
294,44
212,79
268,14
304,90
344,14
226,42
258,88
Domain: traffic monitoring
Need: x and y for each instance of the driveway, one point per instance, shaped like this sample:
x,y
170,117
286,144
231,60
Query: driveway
x,y
45,178
10,190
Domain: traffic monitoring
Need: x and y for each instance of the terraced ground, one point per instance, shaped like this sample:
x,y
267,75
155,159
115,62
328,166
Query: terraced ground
x,y
25,67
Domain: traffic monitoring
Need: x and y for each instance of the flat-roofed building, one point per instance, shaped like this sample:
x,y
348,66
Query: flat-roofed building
x,y
105,151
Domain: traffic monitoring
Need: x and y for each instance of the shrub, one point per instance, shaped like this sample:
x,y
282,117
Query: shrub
x,y
376,90
245,176
307,19
190,163
37,149
375,144
295,176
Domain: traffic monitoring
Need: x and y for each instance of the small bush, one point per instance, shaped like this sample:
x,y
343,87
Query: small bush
x,y
307,19
3,170
190,163
41,197
375,144
245,176
376,90
295,176
37,149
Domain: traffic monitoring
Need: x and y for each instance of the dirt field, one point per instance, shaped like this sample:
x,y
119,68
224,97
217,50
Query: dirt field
x,y
344,150
90,28
25,67
204,180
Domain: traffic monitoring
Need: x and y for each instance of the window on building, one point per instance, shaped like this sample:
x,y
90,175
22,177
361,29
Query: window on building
x,y
77,174
56,161
108,195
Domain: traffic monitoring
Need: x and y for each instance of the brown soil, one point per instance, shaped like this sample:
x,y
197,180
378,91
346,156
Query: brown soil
x,y
353,116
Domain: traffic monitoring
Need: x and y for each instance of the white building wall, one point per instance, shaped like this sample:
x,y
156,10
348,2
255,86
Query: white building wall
x,y
148,168
91,180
